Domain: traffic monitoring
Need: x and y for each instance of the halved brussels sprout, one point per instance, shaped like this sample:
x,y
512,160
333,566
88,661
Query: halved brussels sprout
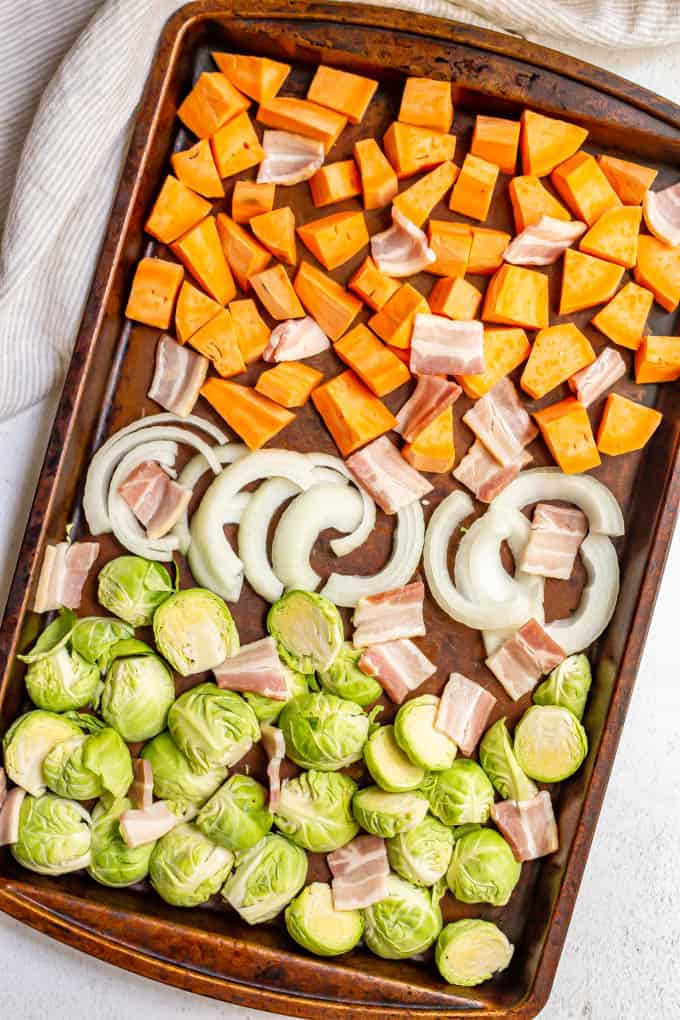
x,y
138,691
315,924
550,743
187,868
422,854
173,777
113,862
55,636
132,588
388,765
267,709
323,732
567,686
237,816
195,631
212,727
62,680
308,630
386,814
54,835
470,952
461,794
267,877
498,760
344,678
416,735
483,869
407,921
93,638
315,810
83,767
27,743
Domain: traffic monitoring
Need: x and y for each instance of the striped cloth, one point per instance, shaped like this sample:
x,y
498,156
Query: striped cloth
x,y
65,178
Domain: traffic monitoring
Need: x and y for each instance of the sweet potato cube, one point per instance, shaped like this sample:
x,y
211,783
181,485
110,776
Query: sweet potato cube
x,y
517,297
427,102
412,149
496,140
245,256
348,94
377,367
154,292
257,77
658,268
451,243
630,181
581,184
565,427
487,250
218,342
657,359
211,103
378,180
193,310
614,237
351,413
418,201
335,182
335,239
176,210
251,199
587,281
252,332
196,168
236,147
625,426
504,350
456,298
253,417
289,383
372,286
276,231
201,252
531,200
394,322
276,293
474,187
558,353
302,117
333,307
433,449
624,319
545,142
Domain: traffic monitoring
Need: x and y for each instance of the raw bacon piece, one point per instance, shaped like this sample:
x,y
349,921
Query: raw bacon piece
x,y
542,243
662,214
296,339
402,250
523,659
555,537
360,871
398,666
289,158
431,396
464,710
9,816
389,616
384,473
139,827
528,825
274,745
141,790
597,377
502,423
255,667
483,475
156,500
178,377
62,575
441,346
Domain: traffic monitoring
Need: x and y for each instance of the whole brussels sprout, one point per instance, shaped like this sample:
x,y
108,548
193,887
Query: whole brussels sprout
x,y
498,760
415,732
83,767
267,877
267,709
27,743
173,777
470,952
54,835
132,588
567,686
308,630
195,631
212,727
237,816
323,732
62,681
187,868
550,743
422,854
344,678
314,923
93,637
407,921
113,862
385,814
138,692
315,810
483,869
461,794
388,765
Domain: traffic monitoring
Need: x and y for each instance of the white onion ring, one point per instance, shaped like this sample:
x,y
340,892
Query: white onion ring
x,y
348,543
189,477
253,532
598,599
597,502
202,571
126,528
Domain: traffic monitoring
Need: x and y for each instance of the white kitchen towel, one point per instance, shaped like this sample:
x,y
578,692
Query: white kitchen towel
x,y
72,155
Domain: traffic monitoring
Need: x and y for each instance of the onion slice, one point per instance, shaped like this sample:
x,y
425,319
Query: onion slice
x,y
598,600
597,502
348,543
201,568
253,532
189,477
126,528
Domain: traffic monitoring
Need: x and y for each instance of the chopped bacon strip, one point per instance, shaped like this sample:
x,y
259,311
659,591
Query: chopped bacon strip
x,y
255,667
662,214
502,423
389,479
360,870
597,377
178,377
542,243
9,816
141,790
523,659
156,500
398,666
63,573
464,710
3,786
483,475
555,537
139,827
289,158
403,249
442,346
296,339
274,745
389,616
528,825
431,396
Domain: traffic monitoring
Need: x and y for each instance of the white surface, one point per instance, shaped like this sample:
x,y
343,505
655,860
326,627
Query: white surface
x,y
622,956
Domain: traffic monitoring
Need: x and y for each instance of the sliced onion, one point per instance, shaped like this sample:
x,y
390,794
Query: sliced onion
x,y
595,499
407,547
168,418
348,543
598,599
126,528
189,477
200,568
253,532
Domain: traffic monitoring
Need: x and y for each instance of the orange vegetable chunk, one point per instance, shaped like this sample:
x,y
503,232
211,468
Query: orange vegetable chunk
x,y
625,426
531,200
517,297
253,417
456,298
154,291
433,449
236,147
289,383
451,243
276,293
196,168
504,350
394,322
377,367
411,149
614,236
335,182
657,359
658,267
193,310
565,427
545,142
349,94
378,180
176,210
487,250
587,281
630,181
333,307
302,117
251,199
258,77
496,140
218,341
336,238
558,352
623,320
581,184
201,252
245,256
351,413
474,187
276,231
418,201
427,102
372,286
252,332
211,103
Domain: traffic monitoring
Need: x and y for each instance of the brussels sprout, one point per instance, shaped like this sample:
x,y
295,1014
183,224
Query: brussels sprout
x,y
315,924
315,810
344,678
187,868
386,814
567,686
114,863
106,755
195,631
138,691
54,835
407,921
93,638
237,816
550,743
387,763
83,767
212,727
267,709
498,760
323,732
55,636
173,777
62,680
470,952
267,877
415,733
27,743
132,588
461,794
308,630
422,854
483,869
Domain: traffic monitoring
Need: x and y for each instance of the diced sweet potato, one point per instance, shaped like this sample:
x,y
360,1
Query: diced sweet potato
x,y
377,367
196,168
614,236
193,310
558,352
372,286
201,252
418,201
154,291
496,140
302,117
658,268
289,383
335,239
276,231
412,149
456,298
176,210
625,426
378,180
433,450
333,307
394,322
254,418
531,200
517,297
245,256
587,281
251,199
474,187
348,94
624,319
545,142
427,102
565,427
487,250
211,103
351,413
630,181
451,243
335,182
276,293
236,147
217,341
657,359
257,77
504,350
252,332
581,184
